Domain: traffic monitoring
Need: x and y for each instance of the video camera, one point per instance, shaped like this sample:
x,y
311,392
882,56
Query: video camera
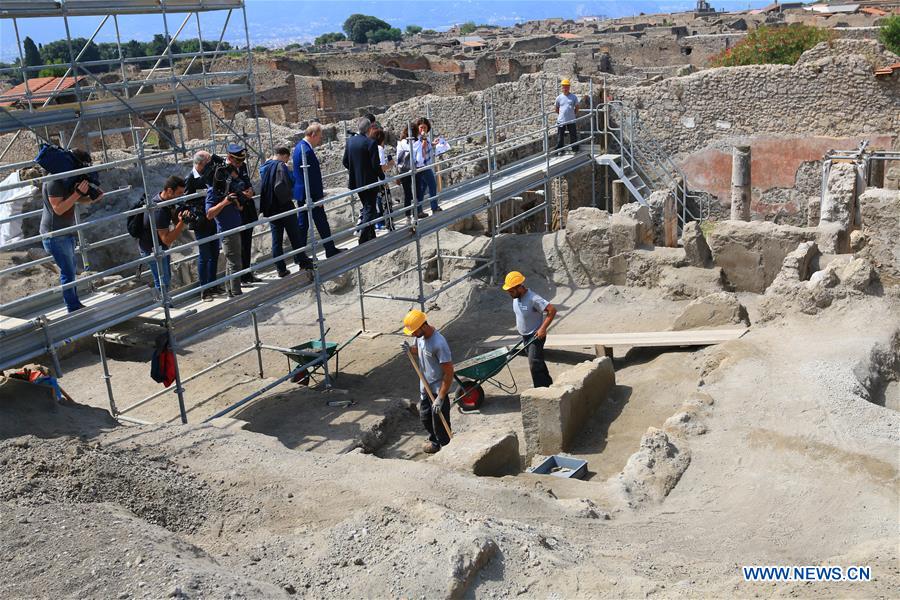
x,y
227,182
192,212
55,159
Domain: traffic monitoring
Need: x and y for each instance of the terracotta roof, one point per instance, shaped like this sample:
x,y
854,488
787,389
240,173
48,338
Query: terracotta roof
x,y
871,10
41,88
568,36
888,70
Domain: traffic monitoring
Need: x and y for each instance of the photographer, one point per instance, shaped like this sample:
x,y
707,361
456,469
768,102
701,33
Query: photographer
x,y
226,200
166,233
200,178
236,163
59,199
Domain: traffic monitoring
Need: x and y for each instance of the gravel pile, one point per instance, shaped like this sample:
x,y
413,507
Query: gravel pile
x,y
73,471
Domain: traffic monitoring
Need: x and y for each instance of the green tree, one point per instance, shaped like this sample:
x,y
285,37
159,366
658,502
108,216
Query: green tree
x,y
413,29
772,45
32,54
467,28
358,26
57,53
328,38
391,34
889,34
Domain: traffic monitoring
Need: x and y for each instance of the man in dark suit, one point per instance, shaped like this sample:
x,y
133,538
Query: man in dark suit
x,y
362,161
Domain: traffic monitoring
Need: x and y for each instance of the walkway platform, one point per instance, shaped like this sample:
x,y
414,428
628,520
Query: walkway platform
x,y
22,342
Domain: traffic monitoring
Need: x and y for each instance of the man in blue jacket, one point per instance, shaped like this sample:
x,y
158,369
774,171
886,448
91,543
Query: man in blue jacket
x,y
275,197
312,138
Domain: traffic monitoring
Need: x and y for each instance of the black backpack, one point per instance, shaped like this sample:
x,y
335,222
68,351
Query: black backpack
x,y
135,222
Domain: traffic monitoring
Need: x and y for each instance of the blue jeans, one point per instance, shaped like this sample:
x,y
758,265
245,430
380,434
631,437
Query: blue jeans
x,y
62,249
167,269
425,180
279,227
207,261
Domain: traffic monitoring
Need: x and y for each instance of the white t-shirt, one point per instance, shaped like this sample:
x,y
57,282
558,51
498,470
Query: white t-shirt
x,y
382,155
529,310
567,105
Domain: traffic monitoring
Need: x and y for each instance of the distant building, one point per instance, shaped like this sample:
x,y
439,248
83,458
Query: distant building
x,y
703,8
40,89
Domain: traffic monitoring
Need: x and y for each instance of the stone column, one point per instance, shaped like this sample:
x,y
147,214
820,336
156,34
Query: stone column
x,y
670,222
740,184
620,195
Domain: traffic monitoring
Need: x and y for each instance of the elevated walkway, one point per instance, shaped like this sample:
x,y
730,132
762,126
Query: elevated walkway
x,y
36,329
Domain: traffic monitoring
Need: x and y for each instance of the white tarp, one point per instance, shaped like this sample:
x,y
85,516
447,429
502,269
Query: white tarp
x,y
12,202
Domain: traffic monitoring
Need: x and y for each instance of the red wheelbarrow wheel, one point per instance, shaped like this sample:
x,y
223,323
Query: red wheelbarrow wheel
x,y
301,377
470,396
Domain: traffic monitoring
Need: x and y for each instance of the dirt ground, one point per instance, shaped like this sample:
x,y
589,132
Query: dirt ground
x,y
796,466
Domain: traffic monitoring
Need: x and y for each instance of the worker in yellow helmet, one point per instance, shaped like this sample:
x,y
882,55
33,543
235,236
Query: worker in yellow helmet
x,y
436,366
567,112
533,317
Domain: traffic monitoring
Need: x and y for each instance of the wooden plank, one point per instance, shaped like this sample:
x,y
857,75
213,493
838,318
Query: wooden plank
x,y
695,337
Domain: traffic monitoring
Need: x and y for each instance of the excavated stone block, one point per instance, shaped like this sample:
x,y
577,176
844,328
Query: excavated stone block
x,y
752,253
696,250
690,282
624,234
482,453
797,267
641,214
840,195
553,416
716,310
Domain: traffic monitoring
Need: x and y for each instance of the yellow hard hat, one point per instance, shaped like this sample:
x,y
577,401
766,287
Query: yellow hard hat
x,y
565,82
413,320
513,278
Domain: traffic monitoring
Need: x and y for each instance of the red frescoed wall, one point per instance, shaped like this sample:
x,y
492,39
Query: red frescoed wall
x,y
773,164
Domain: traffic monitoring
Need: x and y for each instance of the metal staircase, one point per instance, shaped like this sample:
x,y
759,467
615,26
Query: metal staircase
x,y
644,166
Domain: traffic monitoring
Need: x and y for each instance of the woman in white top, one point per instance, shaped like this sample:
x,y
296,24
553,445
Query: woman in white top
x,y
424,152
404,165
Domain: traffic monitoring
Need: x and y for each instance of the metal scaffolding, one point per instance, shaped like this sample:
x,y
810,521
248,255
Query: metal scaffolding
x,y
32,326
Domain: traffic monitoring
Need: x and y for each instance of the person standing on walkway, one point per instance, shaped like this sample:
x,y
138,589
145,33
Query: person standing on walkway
x,y
567,112
306,147
169,226
58,212
276,191
533,317
425,179
225,202
363,167
198,180
237,163
436,364
404,167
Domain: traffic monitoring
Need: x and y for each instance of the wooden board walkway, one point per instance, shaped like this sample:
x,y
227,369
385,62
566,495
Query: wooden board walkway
x,y
650,339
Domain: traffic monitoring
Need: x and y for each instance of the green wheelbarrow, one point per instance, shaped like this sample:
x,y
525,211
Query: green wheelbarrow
x,y
471,373
309,350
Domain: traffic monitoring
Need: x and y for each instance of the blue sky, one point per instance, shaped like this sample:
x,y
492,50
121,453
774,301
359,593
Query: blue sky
x,y
277,22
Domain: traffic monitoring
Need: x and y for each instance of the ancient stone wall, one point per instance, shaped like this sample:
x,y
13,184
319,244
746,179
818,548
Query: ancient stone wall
x,y
830,93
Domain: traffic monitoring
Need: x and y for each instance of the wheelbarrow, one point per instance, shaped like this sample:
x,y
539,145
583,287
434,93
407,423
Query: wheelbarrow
x,y
471,373
310,350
